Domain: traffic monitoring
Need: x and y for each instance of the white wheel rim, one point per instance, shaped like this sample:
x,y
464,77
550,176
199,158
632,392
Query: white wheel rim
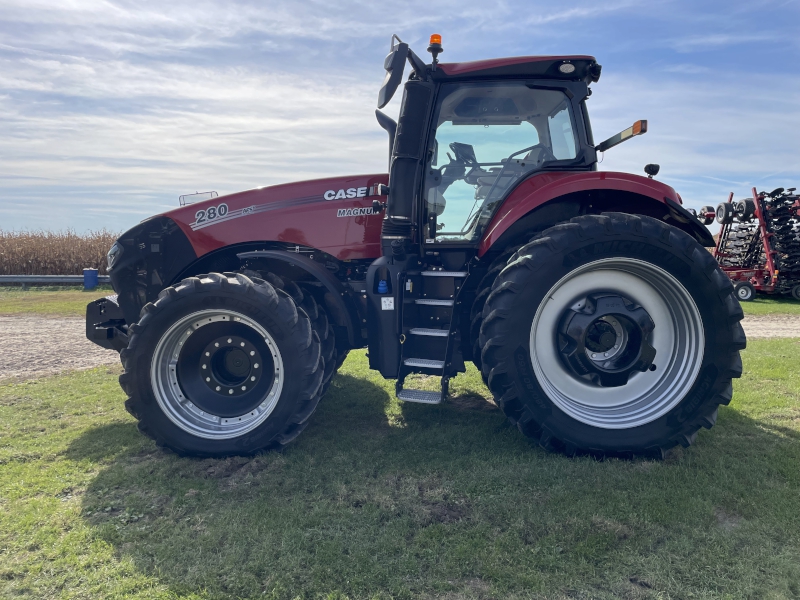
x,y
179,408
678,338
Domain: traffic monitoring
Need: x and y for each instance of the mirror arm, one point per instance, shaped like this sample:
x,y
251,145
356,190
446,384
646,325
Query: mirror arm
x,y
418,65
637,128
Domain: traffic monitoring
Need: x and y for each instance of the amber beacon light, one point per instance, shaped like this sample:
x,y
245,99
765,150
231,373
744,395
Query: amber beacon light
x,y
435,48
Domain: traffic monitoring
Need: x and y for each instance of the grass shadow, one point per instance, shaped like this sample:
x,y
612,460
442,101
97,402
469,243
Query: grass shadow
x,y
409,500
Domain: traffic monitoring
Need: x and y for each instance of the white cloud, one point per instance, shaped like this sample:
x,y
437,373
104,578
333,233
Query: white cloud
x,y
708,136
110,110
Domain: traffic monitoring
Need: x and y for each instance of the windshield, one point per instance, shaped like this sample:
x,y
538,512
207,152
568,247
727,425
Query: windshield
x,y
489,136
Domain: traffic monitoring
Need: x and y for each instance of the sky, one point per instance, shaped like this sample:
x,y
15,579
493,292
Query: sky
x,y
110,110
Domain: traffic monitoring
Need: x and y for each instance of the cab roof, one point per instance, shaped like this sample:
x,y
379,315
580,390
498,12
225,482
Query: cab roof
x,y
544,67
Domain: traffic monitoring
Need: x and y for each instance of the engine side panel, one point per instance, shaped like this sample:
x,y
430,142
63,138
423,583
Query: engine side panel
x,y
539,189
333,215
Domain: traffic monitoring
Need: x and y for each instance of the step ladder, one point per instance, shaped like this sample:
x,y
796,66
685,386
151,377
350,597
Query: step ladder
x,y
430,341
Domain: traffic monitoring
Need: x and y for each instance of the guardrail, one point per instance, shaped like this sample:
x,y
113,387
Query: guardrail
x,y
90,279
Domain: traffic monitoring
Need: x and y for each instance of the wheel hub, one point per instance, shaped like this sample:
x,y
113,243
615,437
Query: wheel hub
x,y
230,365
225,366
604,338
672,332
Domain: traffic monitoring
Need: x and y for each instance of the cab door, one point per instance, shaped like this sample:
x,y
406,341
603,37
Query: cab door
x,y
487,137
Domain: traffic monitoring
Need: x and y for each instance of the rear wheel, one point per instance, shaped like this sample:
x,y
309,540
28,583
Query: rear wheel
x,y
482,293
222,364
796,292
613,334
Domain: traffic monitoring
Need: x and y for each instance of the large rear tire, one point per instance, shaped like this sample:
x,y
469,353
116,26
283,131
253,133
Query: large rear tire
x,y
222,364
612,335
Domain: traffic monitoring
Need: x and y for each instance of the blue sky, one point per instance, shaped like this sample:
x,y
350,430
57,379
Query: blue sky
x,y
110,110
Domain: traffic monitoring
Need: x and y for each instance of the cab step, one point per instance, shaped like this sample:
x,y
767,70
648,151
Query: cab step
x,y
420,396
444,273
429,332
433,302
425,363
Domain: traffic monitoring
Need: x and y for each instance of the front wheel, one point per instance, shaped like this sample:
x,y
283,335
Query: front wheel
x,y
222,364
612,335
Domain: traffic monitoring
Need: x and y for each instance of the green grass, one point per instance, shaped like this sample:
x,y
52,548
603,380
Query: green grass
x,y
771,305
49,301
379,499
71,302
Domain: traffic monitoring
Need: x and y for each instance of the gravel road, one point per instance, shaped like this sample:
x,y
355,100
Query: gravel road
x,y
37,346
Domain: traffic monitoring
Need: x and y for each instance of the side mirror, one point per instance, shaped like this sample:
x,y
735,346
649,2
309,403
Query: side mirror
x,y
637,128
394,64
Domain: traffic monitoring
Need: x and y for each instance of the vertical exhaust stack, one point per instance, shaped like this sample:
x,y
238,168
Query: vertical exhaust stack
x,y
406,154
407,141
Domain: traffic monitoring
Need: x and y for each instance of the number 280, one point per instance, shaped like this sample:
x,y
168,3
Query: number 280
x,y
211,213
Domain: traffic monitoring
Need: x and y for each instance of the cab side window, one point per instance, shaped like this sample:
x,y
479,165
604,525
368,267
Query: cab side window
x,y
488,136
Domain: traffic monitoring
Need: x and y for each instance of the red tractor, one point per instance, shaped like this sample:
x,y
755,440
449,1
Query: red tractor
x,y
599,321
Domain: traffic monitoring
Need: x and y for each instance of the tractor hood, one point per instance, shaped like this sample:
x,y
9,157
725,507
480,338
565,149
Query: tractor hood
x,y
334,215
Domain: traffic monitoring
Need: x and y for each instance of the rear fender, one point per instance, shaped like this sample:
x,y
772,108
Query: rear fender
x,y
550,198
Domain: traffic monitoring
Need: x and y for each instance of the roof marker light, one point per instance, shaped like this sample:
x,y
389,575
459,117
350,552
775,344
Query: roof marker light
x,y
567,68
436,38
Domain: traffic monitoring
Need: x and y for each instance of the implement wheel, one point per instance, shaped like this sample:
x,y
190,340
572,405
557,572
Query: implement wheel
x,y
222,364
745,292
612,335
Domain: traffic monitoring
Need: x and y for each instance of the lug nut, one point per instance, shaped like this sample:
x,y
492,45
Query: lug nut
x,y
229,340
244,387
252,353
230,391
217,388
208,353
208,378
216,344
242,344
255,366
253,378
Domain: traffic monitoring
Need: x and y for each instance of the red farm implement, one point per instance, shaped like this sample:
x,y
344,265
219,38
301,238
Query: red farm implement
x,y
758,245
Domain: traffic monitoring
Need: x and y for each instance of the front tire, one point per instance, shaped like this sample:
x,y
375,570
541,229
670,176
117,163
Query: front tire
x,y
220,365
612,335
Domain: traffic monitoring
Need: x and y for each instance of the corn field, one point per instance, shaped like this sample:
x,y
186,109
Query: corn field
x,y
53,252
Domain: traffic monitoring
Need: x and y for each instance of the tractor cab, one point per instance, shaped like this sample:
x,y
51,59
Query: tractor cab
x,y
468,134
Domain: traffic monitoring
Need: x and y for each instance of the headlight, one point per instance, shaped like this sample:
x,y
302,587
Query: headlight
x,y
113,255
